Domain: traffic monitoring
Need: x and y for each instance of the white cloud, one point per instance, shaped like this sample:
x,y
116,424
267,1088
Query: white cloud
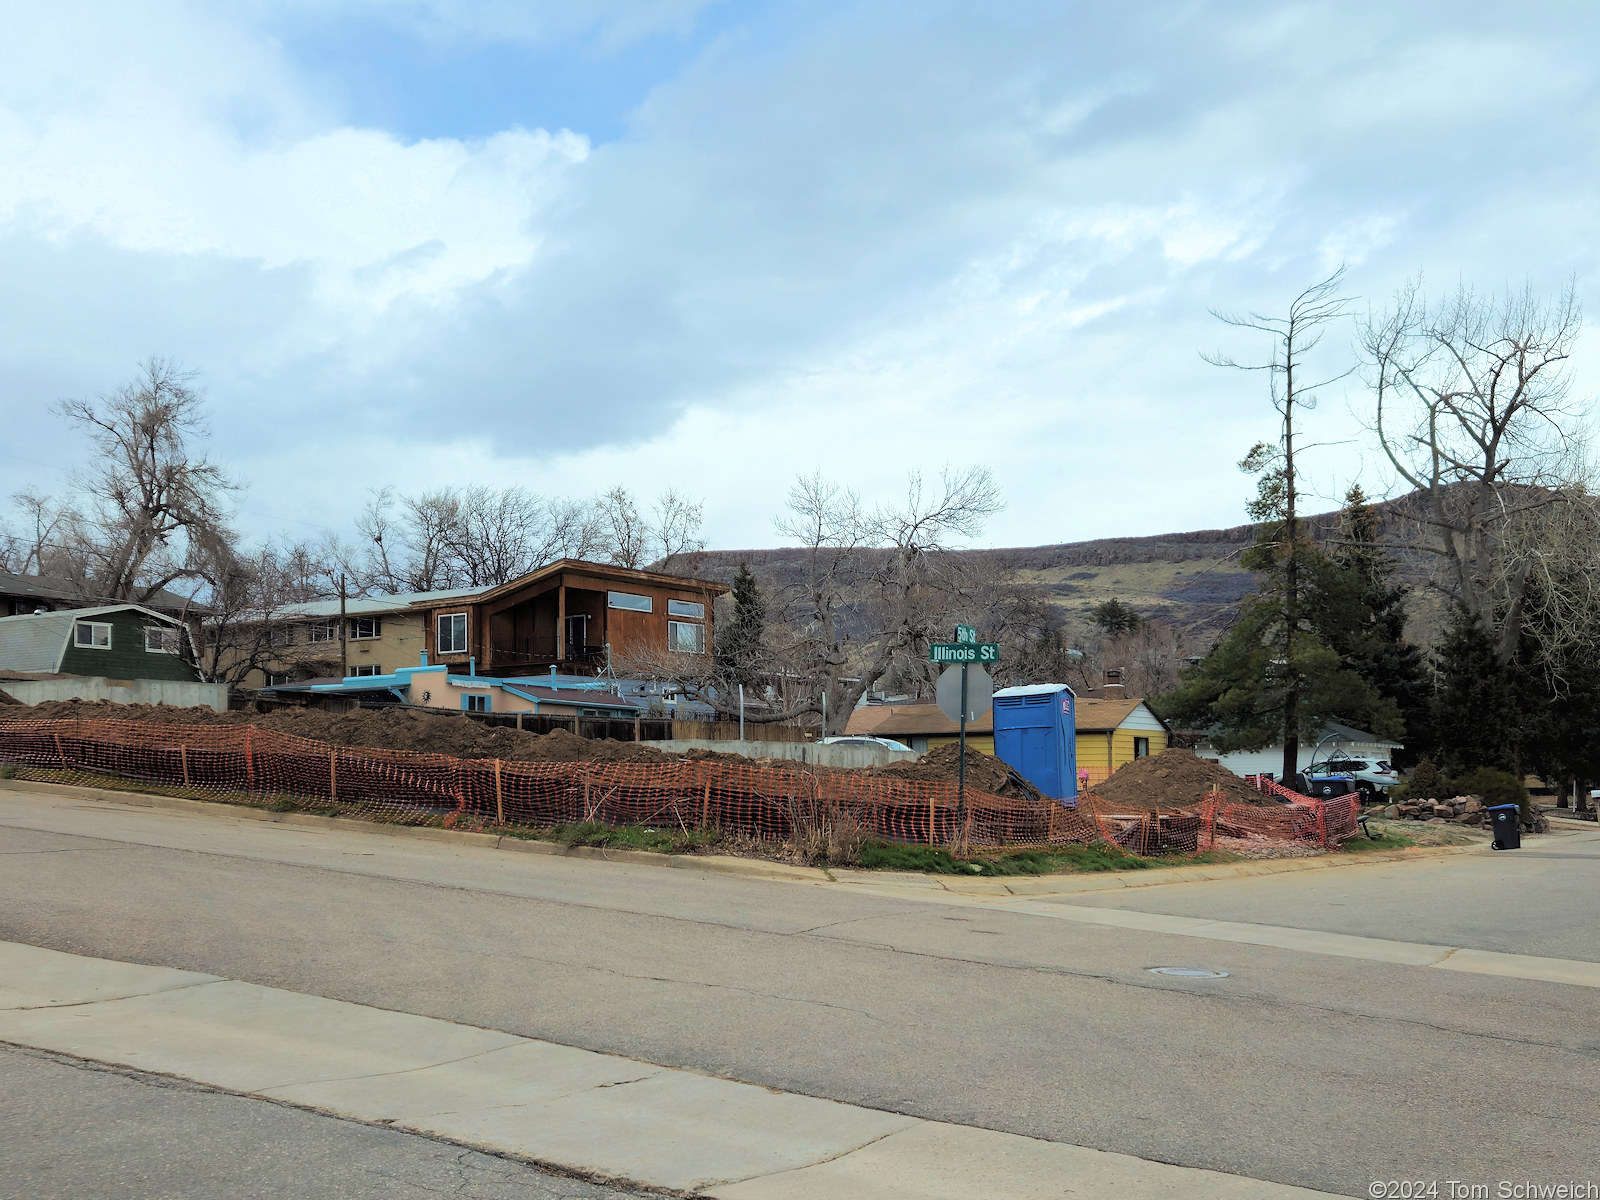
x,y
158,160
867,238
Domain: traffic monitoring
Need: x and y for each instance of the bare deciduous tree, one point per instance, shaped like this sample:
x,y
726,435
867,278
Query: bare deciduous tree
x,y
623,528
44,539
676,529
245,626
670,533
471,537
153,500
893,562
1474,411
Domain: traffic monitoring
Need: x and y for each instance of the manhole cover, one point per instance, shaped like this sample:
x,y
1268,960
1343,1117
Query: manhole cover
x,y
1189,972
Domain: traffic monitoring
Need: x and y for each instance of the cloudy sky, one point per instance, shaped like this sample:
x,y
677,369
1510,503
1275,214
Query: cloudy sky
x,y
574,243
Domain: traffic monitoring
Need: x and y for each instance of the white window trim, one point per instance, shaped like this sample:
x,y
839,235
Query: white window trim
x,y
365,671
329,627
438,629
93,627
649,602
350,629
164,633
698,613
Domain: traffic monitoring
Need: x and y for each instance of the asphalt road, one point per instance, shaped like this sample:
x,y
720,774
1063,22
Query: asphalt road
x,y
77,1131
1302,1068
1537,900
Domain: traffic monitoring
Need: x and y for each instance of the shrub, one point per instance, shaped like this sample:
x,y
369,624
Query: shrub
x,y
1495,786
1426,782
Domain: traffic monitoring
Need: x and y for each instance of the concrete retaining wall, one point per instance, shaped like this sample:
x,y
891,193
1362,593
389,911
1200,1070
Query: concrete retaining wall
x,y
119,691
808,752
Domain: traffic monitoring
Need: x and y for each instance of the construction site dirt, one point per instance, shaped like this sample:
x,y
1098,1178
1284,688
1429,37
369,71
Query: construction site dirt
x,y
463,737
1175,779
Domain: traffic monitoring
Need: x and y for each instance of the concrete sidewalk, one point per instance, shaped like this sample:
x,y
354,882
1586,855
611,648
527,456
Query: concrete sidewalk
x,y
607,1117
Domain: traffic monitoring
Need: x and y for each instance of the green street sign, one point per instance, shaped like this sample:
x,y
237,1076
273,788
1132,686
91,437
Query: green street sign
x,y
964,652
966,635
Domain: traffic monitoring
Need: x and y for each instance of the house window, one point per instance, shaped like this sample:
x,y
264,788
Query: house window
x,y
475,702
324,631
278,678
686,608
365,672
630,601
281,635
685,637
365,628
1141,747
453,634
93,635
158,639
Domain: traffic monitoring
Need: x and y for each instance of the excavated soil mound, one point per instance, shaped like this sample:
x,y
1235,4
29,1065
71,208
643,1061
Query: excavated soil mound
x,y
377,729
462,737
7,698
984,772
1176,779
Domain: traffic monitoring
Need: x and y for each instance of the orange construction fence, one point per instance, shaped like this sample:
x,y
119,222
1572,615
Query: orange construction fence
x,y
772,801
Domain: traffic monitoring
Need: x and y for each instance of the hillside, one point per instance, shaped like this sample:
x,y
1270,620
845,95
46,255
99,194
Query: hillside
x,y
1191,580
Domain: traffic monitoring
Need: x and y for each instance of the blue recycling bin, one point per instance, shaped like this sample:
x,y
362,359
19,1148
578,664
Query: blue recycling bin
x,y
1036,732
1506,822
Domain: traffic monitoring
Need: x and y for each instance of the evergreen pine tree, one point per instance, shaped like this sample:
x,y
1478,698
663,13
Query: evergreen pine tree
x,y
1372,641
740,652
1277,675
1114,617
1476,709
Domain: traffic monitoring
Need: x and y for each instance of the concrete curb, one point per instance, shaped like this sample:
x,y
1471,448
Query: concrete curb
x,y
1047,885
716,864
749,868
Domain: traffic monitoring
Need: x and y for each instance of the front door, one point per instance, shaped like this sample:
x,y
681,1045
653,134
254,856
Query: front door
x,y
577,635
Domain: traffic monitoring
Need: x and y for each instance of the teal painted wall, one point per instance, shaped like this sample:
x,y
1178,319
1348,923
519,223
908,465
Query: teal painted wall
x,y
127,658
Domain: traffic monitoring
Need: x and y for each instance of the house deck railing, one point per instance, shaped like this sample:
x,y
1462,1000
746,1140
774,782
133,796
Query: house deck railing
x,y
534,652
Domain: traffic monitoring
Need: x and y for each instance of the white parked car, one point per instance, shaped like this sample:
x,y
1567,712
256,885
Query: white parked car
x,y
1373,777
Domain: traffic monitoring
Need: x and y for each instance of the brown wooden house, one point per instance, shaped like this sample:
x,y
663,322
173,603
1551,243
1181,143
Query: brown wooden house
x,y
565,615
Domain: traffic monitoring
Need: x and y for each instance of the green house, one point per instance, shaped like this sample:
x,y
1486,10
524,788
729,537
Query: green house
x,y
115,641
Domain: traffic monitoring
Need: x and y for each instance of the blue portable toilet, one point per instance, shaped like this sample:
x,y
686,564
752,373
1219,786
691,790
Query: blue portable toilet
x,y
1036,732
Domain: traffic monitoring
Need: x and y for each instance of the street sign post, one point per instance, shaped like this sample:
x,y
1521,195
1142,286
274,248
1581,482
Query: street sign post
x,y
964,694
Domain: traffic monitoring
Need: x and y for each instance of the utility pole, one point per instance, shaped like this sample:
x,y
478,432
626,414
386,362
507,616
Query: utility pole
x,y
344,631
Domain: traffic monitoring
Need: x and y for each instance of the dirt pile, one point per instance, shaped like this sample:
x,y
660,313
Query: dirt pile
x,y
462,737
7,698
377,729
985,772
1176,778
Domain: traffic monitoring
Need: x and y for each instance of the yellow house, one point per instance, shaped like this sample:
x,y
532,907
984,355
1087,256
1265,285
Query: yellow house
x,y
1110,732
